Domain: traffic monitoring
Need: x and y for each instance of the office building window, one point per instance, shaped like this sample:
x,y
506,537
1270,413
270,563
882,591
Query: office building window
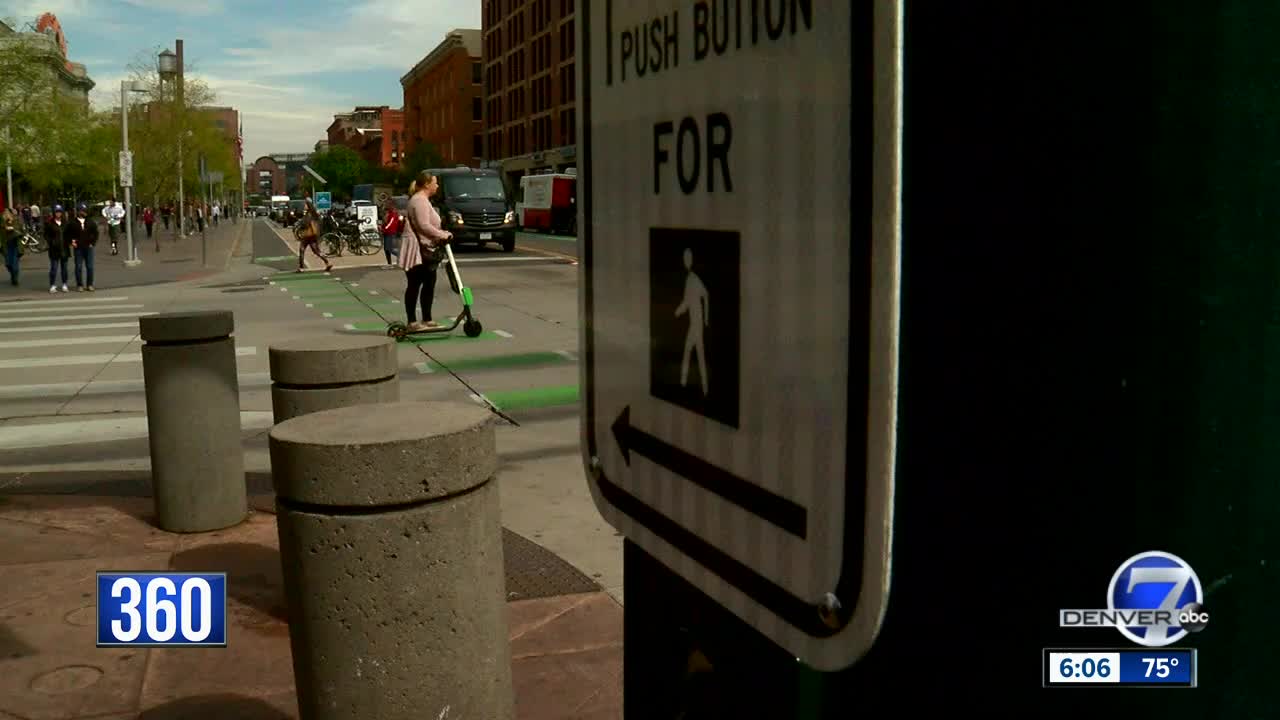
x,y
475,146
475,109
475,72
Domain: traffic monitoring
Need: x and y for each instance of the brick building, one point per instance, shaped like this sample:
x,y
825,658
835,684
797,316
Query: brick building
x,y
530,121
278,174
443,97
373,131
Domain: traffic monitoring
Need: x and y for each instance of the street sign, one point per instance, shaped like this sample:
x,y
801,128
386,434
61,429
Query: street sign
x,y
324,201
126,169
740,309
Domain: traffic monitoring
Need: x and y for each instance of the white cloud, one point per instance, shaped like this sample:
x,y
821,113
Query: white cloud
x,y
183,7
374,34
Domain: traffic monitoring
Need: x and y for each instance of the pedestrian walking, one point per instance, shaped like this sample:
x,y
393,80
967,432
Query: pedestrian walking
x,y
309,237
55,237
215,213
421,249
391,226
200,217
165,211
114,215
11,243
149,221
84,238
35,218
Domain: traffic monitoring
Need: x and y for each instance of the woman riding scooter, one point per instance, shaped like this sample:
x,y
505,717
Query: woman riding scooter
x,y
420,249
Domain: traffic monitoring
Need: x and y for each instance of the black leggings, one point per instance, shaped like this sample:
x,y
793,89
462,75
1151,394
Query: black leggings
x,y
421,288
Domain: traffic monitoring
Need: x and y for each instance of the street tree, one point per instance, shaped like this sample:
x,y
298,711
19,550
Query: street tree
x,y
164,129
342,168
423,157
43,127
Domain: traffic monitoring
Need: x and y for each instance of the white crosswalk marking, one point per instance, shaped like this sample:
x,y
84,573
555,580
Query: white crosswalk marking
x,y
97,359
74,432
70,302
63,329
56,342
80,308
73,315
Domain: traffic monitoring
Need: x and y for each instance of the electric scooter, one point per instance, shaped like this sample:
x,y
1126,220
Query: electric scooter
x,y
470,325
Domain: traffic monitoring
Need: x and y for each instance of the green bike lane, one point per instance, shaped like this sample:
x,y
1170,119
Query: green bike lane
x,y
521,363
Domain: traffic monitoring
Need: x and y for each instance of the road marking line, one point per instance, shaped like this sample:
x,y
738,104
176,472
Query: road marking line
x,y
328,315
503,333
310,305
81,432
519,258
105,387
96,359
424,368
98,300
50,342
567,355
348,326
56,318
19,311
373,292
64,328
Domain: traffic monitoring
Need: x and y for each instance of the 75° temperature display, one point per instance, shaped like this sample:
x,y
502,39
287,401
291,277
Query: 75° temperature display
x,y
1126,667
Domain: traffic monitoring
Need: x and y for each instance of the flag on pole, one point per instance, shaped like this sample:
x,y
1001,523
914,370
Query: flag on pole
x,y
240,143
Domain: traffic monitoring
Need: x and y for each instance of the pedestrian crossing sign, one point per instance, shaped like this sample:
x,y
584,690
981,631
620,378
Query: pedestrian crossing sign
x,y
739,302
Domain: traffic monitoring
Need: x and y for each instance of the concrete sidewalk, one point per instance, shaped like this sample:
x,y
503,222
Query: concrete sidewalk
x,y
178,259
566,648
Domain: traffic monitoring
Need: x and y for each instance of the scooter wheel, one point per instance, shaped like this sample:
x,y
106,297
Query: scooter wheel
x,y
397,330
472,328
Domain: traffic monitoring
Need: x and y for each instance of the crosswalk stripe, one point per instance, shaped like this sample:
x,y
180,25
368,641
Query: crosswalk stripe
x,y
76,316
53,342
104,387
86,300
80,432
64,328
21,311
97,359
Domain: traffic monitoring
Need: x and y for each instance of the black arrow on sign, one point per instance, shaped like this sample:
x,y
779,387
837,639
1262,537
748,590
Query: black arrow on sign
x,y
784,513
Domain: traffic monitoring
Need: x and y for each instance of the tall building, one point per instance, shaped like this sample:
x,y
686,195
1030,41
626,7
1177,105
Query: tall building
x,y
443,97
46,39
373,131
530,121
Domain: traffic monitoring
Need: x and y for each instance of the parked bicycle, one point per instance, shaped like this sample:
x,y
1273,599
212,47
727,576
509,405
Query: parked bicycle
x,y
352,235
32,242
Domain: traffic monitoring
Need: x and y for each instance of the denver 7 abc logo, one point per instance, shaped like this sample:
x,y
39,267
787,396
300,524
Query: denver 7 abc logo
x,y
1154,599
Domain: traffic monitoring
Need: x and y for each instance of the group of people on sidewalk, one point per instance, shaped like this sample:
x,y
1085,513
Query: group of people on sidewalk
x,y
65,238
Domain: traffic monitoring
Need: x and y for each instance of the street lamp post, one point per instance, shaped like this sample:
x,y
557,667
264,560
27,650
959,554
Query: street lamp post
x,y
170,66
127,86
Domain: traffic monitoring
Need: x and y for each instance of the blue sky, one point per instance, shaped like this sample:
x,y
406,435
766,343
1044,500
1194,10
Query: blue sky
x,y
287,65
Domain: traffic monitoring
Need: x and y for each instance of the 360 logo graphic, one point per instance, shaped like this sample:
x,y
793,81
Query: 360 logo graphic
x,y
162,609
1154,599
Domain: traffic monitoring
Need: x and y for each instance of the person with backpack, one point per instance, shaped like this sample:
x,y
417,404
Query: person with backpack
x,y
392,224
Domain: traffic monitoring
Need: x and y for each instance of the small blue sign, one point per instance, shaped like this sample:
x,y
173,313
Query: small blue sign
x,y
149,609
324,201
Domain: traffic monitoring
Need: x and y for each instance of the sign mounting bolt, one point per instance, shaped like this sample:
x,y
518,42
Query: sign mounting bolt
x,y
829,610
597,468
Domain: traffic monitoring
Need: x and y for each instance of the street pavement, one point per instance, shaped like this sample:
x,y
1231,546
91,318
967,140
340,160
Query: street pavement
x,y
73,431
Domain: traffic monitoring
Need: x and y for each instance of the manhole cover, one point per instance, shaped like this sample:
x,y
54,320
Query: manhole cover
x,y
66,679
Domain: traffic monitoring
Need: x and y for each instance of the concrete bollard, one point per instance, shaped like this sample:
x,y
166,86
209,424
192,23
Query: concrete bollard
x,y
193,420
327,372
391,547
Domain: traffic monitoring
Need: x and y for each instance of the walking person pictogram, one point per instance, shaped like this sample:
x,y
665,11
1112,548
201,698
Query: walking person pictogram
x,y
696,305
680,320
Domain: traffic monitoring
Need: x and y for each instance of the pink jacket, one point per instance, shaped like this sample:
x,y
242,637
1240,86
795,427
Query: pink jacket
x,y
423,226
